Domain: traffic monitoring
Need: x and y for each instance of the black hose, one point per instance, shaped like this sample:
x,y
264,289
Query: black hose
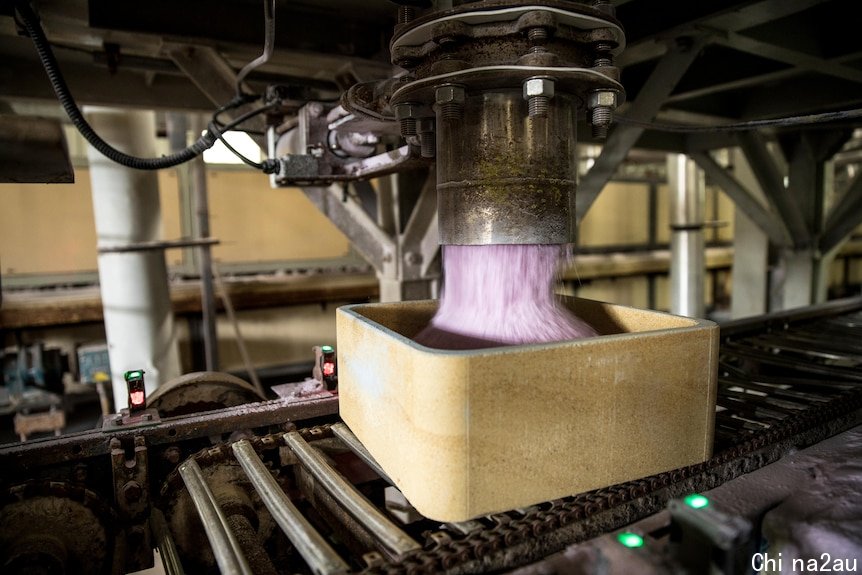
x,y
49,62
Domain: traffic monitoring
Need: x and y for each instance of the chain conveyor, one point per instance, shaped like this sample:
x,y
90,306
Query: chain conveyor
x,y
304,496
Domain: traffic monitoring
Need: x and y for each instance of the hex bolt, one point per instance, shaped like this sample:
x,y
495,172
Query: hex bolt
x,y
407,115
80,473
412,258
427,139
601,104
405,14
601,120
603,55
538,92
538,35
172,454
132,491
450,100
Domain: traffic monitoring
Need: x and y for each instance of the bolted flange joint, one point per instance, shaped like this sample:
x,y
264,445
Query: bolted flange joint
x,y
538,92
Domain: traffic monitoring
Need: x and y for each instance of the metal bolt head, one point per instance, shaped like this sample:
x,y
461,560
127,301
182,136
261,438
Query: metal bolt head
x,y
172,454
132,491
602,98
538,87
80,473
450,94
407,110
412,258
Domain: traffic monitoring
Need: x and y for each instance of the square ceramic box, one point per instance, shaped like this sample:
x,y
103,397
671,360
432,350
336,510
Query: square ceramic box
x,y
468,433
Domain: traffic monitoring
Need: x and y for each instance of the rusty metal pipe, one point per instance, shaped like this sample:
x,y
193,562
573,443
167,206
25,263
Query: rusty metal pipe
x,y
165,543
321,558
386,532
226,548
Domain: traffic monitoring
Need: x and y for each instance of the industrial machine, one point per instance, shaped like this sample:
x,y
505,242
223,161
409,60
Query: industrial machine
x,y
218,479
282,486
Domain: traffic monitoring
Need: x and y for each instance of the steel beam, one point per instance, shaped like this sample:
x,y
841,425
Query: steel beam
x,y
742,198
731,19
751,252
422,223
213,76
844,217
788,56
670,69
752,81
771,182
370,241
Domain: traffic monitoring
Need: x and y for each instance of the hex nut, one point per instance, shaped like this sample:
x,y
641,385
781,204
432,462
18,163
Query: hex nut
x,y
406,110
538,87
602,98
450,94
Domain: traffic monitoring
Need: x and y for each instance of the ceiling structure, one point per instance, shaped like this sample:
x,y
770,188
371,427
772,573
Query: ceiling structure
x,y
753,59
708,62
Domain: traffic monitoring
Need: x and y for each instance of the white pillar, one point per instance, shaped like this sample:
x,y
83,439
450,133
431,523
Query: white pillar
x,y
134,285
688,265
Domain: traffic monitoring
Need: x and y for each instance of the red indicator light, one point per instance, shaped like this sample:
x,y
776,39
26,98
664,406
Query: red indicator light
x,y
328,368
137,397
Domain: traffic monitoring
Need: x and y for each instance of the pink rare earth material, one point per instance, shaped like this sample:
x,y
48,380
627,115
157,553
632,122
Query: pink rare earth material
x,y
497,295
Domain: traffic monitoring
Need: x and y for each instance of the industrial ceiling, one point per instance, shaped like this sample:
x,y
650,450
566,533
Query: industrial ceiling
x,y
754,59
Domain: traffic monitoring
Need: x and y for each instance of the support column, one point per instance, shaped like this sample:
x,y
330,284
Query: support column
x,y
134,285
750,250
688,266
200,202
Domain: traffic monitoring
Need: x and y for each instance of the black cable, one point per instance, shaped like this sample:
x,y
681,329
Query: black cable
x,y
269,166
61,89
744,126
31,24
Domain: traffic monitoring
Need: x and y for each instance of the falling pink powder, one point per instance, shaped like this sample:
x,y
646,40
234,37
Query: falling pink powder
x,y
497,295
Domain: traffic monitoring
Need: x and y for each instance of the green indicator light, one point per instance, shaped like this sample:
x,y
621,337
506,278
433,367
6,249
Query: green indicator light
x,y
630,540
696,501
326,348
134,374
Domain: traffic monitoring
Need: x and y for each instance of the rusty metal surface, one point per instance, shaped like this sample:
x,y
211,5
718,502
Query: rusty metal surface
x,y
201,391
20,460
770,407
514,538
757,429
50,524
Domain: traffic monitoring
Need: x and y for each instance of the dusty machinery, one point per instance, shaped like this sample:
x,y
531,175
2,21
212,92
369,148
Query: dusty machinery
x,y
491,91
281,486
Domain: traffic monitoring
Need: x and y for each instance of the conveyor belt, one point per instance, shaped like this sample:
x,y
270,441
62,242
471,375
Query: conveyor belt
x,y
785,382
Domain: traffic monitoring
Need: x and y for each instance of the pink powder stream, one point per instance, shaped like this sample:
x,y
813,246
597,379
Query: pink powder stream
x,y
496,295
